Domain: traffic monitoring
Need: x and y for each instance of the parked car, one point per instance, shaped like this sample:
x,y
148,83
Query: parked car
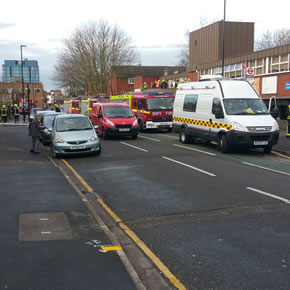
x,y
73,134
46,121
33,112
114,119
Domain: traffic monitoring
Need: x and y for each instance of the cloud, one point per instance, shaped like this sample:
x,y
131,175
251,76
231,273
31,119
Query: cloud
x,y
6,25
167,47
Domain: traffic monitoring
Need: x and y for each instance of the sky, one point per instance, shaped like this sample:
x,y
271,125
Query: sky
x,y
157,27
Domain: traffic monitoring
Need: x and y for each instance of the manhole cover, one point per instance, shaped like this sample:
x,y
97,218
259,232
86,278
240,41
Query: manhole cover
x,y
44,227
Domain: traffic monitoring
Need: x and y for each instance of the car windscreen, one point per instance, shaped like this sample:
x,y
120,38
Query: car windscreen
x,y
156,104
245,107
47,120
72,124
118,112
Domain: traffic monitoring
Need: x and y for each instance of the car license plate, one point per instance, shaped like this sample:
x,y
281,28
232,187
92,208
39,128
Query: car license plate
x,y
124,129
260,142
78,147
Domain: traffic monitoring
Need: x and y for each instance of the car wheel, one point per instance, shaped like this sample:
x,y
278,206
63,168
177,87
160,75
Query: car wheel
x,y
99,151
224,144
268,149
104,134
134,136
54,155
184,137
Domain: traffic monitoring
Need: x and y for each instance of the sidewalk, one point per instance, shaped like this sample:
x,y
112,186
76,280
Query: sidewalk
x,y
283,145
49,240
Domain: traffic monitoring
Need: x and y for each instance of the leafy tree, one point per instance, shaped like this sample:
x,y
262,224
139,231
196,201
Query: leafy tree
x,y
88,55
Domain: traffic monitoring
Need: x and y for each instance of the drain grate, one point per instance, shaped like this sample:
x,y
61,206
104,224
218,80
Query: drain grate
x,y
44,227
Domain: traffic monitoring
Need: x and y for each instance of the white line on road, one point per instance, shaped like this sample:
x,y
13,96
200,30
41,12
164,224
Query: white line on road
x,y
145,137
201,151
46,233
266,168
269,194
134,146
189,166
43,219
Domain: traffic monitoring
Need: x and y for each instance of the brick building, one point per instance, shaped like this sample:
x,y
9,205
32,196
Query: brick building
x,y
129,78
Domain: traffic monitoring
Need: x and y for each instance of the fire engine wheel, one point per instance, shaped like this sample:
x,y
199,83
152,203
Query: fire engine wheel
x,y
268,149
224,144
184,137
141,125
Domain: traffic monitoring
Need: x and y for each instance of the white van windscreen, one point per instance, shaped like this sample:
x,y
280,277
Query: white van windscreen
x,y
245,107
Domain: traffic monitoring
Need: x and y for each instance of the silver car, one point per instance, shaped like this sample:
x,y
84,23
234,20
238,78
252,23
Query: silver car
x,y
73,134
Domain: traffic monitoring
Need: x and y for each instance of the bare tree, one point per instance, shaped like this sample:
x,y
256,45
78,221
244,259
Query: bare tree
x,y
272,39
89,54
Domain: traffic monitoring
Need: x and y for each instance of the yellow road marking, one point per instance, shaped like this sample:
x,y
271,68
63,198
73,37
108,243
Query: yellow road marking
x,y
111,248
282,155
87,187
131,234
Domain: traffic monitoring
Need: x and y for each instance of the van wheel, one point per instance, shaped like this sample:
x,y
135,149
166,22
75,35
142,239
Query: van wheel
x,y
224,144
169,130
268,149
141,125
184,137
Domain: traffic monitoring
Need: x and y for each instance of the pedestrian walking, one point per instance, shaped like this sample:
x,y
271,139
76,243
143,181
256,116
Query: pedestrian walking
x,y
16,114
35,132
4,114
57,109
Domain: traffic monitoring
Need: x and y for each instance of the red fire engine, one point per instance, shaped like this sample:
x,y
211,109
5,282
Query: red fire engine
x,y
153,109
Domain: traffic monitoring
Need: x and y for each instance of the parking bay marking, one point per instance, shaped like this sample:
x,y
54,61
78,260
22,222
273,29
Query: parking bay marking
x,y
145,137
266,168
193,149
134,146
189,166
269,194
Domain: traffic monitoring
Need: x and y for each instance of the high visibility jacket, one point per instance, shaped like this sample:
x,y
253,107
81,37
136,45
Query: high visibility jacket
x,y
3,112
16,112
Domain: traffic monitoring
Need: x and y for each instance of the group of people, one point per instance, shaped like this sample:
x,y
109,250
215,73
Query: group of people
x,y
11,111
162,84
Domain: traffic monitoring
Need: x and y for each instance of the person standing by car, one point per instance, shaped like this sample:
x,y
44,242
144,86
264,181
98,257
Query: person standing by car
x,y
35,132
57,109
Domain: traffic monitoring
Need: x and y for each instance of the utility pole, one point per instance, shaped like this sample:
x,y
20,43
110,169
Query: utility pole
x,y
22,81
224,35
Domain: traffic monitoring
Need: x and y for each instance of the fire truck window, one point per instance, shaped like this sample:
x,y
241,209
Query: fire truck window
x,y
140,104
135,103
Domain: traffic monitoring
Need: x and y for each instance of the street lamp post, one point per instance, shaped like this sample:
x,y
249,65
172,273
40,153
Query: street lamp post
x,y
224,35
22,81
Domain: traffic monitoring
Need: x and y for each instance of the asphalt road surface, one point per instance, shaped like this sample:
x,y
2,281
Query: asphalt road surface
x,y
215,220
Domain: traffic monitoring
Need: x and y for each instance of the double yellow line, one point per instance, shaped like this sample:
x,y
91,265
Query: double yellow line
x,y
130,233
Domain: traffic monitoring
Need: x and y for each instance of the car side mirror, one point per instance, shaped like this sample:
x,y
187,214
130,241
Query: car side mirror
x,y
219,114
96,127
49,130
275,113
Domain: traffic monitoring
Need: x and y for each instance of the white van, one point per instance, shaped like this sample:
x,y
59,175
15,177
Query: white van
x,y
227,111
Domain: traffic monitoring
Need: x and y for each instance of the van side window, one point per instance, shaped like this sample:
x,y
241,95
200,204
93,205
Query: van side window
x,y
216,103
190,102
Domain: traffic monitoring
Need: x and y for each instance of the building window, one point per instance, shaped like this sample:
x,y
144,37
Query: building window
x,y
195,43
37,90
275,59
131,81
284,58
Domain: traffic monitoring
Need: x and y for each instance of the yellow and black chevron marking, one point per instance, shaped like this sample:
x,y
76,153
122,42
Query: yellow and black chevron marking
x,y
202,123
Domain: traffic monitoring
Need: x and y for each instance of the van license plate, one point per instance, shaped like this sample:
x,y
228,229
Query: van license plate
x,y
260,142
78,147
124,129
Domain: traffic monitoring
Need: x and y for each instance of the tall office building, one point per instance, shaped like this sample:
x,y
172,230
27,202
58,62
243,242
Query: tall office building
x,y
12,69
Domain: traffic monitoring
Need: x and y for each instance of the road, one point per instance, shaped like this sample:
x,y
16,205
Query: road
x,y
215,220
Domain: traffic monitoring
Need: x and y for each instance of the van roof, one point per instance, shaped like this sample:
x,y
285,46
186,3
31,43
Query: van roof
x,y
230,88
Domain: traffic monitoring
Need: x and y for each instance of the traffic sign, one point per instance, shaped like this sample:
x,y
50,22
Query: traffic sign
x,y
250,71
245,64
